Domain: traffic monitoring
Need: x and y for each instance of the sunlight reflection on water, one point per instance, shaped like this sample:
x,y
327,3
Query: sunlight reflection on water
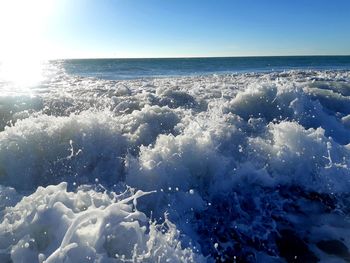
x,y
24,73
19,76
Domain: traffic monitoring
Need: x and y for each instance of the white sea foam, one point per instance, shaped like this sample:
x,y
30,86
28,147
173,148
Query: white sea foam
x,y
235,160
54,225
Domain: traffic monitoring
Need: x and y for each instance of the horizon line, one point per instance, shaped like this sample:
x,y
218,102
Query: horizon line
x,y
194,57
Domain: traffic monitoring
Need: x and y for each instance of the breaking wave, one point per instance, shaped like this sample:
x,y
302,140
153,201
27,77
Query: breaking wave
x,y
251,167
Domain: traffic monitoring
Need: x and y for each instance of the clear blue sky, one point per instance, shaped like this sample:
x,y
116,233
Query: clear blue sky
x,y
173,28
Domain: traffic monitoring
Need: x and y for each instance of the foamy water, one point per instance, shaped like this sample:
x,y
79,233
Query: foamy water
x,y
247,167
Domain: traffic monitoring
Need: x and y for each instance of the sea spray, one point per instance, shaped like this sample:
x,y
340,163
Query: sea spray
x,y
245,166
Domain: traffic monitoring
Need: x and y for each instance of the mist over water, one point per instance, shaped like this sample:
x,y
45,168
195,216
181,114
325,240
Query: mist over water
x,y
101,162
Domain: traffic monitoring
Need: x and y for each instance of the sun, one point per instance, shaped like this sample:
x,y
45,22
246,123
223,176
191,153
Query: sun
x,y
22,45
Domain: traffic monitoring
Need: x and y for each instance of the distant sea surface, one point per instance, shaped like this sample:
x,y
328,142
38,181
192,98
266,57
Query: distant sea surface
x,y
167,67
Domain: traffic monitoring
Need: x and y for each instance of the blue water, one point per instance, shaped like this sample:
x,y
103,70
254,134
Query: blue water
x,y
253,167
164,67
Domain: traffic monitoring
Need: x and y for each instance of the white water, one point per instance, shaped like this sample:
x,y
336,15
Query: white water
x,y
235,160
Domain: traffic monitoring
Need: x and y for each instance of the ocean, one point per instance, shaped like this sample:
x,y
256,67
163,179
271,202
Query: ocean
x,y
175,160
114,69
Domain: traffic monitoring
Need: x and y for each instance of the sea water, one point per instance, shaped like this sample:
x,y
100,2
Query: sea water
x,y
165,67
177,160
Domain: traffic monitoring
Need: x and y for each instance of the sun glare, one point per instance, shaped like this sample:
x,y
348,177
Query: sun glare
x,y
22,45
21,73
